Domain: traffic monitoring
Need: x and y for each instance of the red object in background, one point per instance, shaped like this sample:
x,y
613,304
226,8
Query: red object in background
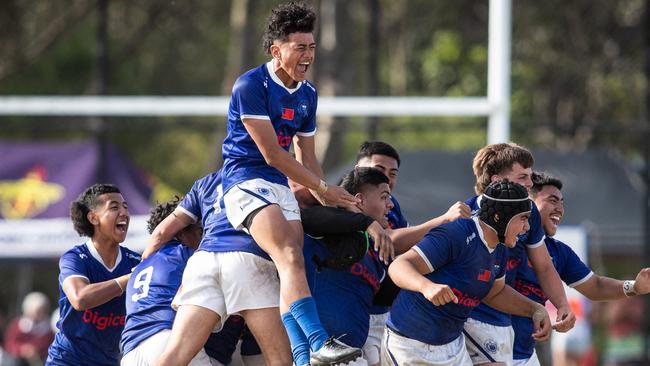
x,y
28,340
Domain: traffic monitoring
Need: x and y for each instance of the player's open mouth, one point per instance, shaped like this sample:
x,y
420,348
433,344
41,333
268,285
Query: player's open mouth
x,y
122,226
302,67
555,219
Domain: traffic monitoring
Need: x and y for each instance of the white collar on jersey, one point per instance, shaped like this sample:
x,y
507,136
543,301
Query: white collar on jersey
x,y
480,234
274,77
93,251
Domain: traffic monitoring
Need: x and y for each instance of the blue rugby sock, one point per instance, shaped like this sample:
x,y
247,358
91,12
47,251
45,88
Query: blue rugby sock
x,y
299,344
305,313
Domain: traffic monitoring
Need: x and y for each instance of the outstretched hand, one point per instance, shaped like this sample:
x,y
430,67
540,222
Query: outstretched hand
x,y
642,282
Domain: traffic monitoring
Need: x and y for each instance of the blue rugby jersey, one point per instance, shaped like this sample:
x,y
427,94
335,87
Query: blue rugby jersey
x,y
259,94
150,292
516,256
344,297
204,202
396,220
571,270
90,337
458,257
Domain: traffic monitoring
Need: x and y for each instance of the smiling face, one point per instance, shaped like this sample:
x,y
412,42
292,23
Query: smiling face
x,y
550,203
376,202
517,174
383,163
110,218
293,57
518,225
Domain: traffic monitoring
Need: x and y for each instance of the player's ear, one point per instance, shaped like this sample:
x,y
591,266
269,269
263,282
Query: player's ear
x,y
495,178
91,216
360,197
275,51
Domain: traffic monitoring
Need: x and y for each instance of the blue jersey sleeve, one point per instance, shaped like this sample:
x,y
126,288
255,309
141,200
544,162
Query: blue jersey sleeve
x,y
502,262
308,127
249,96
436,248
535,236
191,203
72,264
571,269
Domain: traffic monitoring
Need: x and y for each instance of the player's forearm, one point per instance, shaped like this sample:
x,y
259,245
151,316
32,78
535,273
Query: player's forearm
x,y
165,231
510,301
405,238
96,294
322,220
600,288
309,161
285,163
548,277
406,276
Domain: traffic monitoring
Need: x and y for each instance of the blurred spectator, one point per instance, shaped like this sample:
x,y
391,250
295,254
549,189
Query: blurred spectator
x,y
29,335
624,321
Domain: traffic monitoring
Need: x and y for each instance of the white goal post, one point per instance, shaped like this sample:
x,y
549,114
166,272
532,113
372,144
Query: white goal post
x,y
496,106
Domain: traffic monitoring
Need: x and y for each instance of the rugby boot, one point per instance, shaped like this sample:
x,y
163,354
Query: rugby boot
x,y
334,352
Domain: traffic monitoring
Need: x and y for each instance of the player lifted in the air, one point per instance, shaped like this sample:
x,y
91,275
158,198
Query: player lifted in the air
x,y
271,106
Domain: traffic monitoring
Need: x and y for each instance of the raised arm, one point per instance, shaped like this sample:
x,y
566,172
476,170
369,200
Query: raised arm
x,y
166,230
404,238
600,288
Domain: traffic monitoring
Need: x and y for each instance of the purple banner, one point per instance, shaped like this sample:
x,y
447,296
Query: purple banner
x,y
39,180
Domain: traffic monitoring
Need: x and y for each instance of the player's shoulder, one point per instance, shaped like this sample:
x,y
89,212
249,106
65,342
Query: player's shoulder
x,y
80,252
130,254
256,77
208,181
309,87
555,245
454,231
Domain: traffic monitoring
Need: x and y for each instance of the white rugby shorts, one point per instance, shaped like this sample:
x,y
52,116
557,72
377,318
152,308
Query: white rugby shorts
x,y
488,343
532,361
245,197
372,348
400,350
228,283
146,353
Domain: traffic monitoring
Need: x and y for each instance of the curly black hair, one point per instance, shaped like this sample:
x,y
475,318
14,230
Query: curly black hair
x,y
160,212
292,17
88,200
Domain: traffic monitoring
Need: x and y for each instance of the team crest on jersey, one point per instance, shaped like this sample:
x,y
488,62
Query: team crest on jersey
x,y
303,109
491,346
29,196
